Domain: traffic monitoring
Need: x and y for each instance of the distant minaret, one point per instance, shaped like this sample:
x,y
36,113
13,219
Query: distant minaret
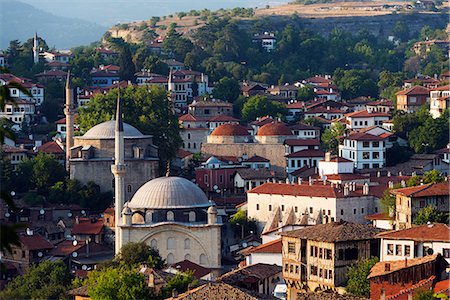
x,y
69,111
118,169
35,49
170,85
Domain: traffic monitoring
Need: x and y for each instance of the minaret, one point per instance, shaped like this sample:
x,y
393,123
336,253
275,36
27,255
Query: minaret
x,y
170,85
69,111
118,169
35,49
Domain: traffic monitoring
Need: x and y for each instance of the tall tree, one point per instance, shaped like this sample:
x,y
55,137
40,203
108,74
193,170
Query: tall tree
x,y
259,106
126,64
330,136
358,284
227,89
146,108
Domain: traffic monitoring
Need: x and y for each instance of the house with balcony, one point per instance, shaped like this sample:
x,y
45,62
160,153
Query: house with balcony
x,y
317,257
326,112
410,100
303,158
415,242
15,155
22,111
304,131
61,57
439,100
410,200
366,150
103,78
36,90
266,40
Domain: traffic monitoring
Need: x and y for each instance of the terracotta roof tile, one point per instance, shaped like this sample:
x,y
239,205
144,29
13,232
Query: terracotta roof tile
x,y
223,118
251,273
362,136
34,242
51,147
274,129
379,216
302,142
415,90
256,158
379,269
270,247
306,153
12,149
88,226
426,190
335,232
185,265
230,130
430,232
366,114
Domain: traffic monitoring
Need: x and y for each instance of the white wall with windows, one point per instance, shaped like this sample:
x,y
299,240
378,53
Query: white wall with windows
x,y
364,153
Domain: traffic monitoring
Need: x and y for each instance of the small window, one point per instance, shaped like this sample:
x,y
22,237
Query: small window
x,y
398,250
170,243
192,216
170,216
342,212
154,244
187,244
270,207
390,249
291,247
257,206
129,188
170,259
408,250
282,207
203,260
366,144
445,252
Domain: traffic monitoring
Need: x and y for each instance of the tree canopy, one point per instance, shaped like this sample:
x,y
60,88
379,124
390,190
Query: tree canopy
x,y
140,253
146,108
430,214
46,280
260,106
227,89
330,136
357,273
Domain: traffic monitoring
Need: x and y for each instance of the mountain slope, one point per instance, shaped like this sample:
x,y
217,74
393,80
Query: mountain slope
x,y
19,21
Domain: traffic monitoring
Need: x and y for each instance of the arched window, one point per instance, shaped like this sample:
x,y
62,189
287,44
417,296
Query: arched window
x,y
195,145
129,188
189,136
154,244
187,244
189,145
137,218
203,260
191,216
170,216
187,257
170,243
170,259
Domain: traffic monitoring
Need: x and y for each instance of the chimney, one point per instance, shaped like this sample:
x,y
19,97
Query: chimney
x,y
406,262
382,294
174,293
77,220
391,184
299,180
387,267
287,180
400,173
29,231
327,156
346,190
378,174
389,174
403,183
366,189
310,180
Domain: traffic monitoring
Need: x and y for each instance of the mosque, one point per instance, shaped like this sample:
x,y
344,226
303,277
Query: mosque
x,y
170,214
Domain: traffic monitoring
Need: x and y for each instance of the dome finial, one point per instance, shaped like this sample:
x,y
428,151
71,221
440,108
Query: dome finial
x,y
168,169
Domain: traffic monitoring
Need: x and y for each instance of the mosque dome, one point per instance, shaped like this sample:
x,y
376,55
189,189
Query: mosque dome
x,y
106,130
230,130
274,129
169,193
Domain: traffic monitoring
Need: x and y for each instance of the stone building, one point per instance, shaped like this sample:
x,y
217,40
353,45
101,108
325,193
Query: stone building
x,y
174,216
410,200
316,258
92,155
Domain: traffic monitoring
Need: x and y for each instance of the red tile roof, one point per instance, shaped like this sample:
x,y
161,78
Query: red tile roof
x,y
34,242
51,147
187,117
339,159
362,136
67,247
256,158
429,232
296,105
230,130
274,129
380,216
270,247
12,149
318,79
366,114
183,153
379,269
442,286
223,118
295,190
185,265
415,90
306,153
51,73
88,226
426,190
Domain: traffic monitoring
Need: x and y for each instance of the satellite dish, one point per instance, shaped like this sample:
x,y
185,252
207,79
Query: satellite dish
x,y
430,251
215,187
83,212
244,245
75,242
40,254
42,211
7,215
74,254
13,193
84,267
69,214
246,139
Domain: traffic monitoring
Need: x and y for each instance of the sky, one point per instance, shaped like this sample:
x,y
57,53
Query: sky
x,y
110,12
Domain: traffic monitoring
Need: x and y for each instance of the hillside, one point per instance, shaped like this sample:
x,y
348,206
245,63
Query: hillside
x,y
370,15
20,21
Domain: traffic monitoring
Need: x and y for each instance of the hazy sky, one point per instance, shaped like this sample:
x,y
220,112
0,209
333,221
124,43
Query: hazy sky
x,y
110,12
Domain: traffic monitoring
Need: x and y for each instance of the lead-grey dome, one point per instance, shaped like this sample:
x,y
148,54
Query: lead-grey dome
x,y
106,130
169,192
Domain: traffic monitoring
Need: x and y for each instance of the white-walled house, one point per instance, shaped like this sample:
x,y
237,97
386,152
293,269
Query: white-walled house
x,y
304,131
57,56
303,158
19,112
268,253
415,242
364,149
36,90
365,118
294,145
315,201
267,40
439,100
335,165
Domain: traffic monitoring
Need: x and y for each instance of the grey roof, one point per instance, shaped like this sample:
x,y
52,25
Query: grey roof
x,y
335,232
106,130
169,192
248,174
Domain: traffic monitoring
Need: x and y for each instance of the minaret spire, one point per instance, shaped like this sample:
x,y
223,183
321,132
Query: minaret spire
x,y
118,169
35,49
69,111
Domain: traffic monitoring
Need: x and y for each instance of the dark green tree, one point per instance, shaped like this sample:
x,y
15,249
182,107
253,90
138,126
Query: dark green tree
x,y
305,93
47,280
242,224
179,282
146,108
433,176
430,214
140,253
227,89
127,69
46,172
259,106
358,284
330,136
355,83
